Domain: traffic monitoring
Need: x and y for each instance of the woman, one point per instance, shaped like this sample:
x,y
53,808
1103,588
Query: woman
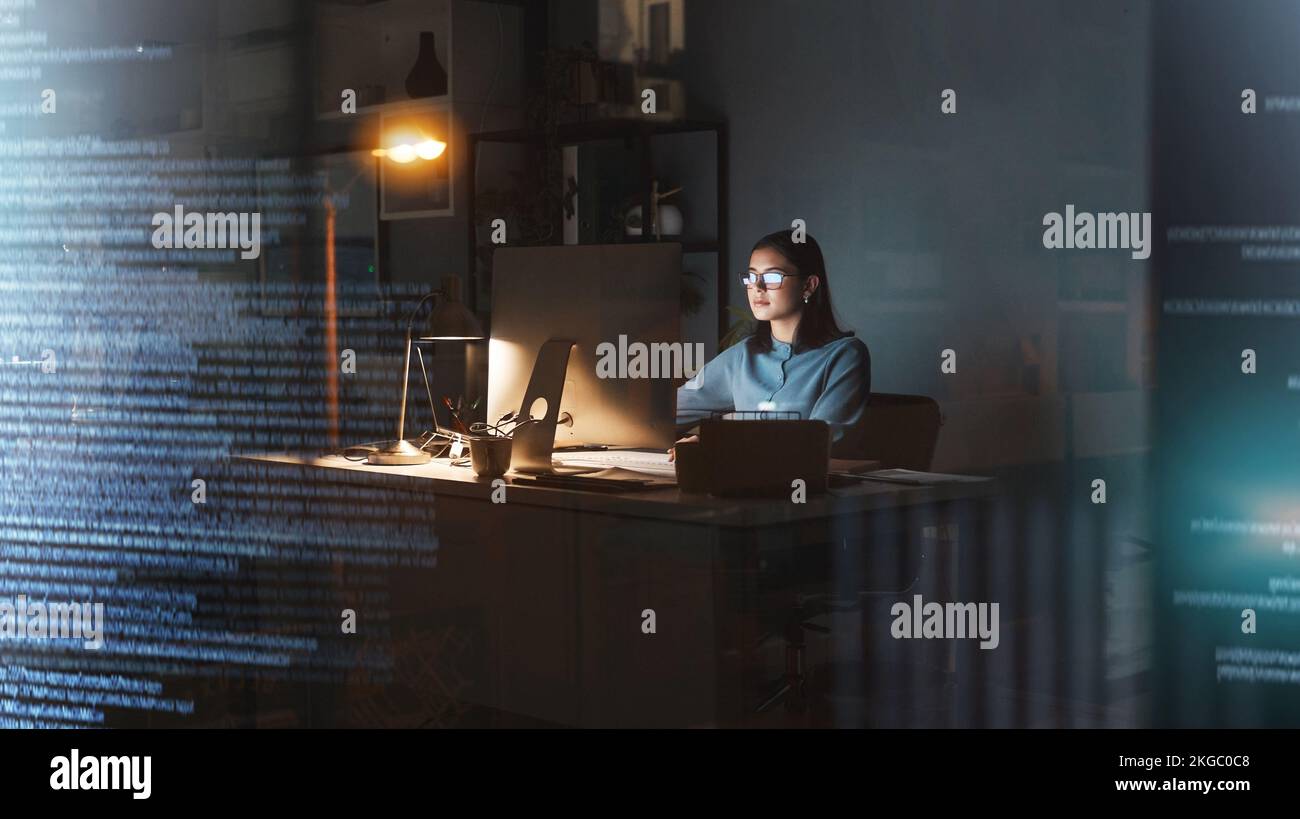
x,y
797,359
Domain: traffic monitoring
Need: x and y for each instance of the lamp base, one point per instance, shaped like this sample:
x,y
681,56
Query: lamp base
x,y
399,453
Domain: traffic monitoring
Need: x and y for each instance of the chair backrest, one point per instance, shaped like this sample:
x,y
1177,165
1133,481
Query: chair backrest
x,y
901,431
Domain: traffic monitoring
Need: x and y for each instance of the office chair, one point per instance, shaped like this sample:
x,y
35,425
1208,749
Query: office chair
x,y
902,432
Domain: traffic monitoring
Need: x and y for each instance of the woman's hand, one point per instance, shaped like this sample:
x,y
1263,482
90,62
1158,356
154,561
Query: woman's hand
x,y
689,439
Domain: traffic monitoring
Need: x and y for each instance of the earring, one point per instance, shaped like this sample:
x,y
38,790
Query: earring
x,y
805,298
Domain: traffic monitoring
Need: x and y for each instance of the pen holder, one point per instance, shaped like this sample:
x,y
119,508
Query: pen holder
x,y
490,456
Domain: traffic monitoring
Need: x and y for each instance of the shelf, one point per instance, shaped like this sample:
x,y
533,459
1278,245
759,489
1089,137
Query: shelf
x,y
704,246
395,106
699,247
597,130
371,48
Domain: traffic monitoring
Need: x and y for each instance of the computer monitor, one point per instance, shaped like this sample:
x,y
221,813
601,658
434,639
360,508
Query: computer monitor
x,y
619,295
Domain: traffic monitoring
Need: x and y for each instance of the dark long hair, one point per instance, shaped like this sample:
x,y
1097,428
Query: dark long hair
x,y
817,325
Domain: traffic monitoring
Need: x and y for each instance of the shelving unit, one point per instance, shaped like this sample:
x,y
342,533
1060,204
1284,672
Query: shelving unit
x,y
637,135
380,41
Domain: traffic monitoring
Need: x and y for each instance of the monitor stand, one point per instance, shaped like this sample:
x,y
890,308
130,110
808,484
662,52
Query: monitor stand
x,y
533,442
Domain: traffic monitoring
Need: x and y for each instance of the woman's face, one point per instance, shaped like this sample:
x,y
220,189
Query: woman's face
x,y
784,302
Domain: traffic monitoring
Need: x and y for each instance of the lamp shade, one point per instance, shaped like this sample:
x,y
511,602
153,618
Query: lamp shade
x,y
450,320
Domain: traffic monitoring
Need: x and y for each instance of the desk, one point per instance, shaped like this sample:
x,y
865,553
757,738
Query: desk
x,y
563,576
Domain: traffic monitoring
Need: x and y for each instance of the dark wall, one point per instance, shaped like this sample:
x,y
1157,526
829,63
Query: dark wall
x,y
932,223
1226,467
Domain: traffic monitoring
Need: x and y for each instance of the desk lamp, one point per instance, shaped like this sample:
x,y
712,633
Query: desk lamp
x,y
448,321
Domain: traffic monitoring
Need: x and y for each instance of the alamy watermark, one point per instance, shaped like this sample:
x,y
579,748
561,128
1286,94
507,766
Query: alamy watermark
x,y
655,360
946,621
196,230
75,772
24,619
1102,231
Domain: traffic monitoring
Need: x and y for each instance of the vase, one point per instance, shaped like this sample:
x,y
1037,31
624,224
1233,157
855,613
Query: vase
x,y
427,78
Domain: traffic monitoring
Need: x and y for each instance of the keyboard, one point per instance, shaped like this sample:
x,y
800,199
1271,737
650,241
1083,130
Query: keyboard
x,y
635,460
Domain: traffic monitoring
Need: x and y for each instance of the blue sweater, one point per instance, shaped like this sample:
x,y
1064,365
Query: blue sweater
x,y
830,383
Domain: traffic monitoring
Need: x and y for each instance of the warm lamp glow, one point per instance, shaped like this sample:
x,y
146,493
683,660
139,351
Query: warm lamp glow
x,y
403,152
430,149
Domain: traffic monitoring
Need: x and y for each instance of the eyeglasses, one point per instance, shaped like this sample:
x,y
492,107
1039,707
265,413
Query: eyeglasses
x,y
771,279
